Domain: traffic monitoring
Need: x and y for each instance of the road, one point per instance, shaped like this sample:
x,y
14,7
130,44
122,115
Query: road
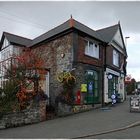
x,y
91,122
131,133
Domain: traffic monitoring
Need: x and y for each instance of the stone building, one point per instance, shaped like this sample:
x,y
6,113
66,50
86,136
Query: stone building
x,y
69,46
75,47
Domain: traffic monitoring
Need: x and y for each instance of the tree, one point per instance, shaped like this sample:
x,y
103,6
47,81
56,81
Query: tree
x,y
24,72
130,88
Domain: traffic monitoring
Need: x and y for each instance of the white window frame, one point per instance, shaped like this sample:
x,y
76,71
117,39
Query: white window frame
x,y
115,58
92,49
6,52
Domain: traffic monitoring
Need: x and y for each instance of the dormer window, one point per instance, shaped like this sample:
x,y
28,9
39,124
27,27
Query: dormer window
x,y
91,49
115,58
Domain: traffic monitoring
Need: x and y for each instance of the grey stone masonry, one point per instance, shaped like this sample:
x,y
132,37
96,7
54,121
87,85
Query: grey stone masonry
x,y
33,114
64,109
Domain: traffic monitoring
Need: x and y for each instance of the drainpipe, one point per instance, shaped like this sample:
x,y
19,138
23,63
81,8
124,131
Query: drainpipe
x,y
103,69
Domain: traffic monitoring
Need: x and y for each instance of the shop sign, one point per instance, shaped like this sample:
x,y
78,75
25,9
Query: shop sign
x,y
134,102
109,76
113,97
83,87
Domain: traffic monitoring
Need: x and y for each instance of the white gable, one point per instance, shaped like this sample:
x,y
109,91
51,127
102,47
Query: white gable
x,y
5,43
118,39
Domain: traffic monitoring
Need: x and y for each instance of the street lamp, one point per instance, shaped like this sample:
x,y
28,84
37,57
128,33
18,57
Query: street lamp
x,y
127,37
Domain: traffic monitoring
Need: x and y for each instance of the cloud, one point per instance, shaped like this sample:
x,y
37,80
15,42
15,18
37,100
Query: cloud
x,y
30,19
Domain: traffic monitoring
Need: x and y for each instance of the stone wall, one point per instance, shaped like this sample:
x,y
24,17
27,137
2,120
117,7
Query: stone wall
x,y
64,109
33,114
58,57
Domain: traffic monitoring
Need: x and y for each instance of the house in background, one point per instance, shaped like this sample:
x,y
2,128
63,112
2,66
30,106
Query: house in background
x,y
10,46
115,62
98,59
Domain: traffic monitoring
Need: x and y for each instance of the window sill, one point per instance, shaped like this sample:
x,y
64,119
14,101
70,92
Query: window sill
x,y
92,57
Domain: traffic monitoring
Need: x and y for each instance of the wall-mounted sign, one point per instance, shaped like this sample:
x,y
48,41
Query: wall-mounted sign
x,y
109,76
113,96
83,87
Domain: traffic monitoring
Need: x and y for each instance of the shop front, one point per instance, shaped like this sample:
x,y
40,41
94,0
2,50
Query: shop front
x,y
90,93
113,84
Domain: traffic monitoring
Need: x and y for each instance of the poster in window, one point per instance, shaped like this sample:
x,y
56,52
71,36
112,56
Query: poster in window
x,y
90,87
83,87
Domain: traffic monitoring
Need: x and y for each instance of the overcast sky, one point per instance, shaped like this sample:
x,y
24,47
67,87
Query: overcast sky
x,y
31,19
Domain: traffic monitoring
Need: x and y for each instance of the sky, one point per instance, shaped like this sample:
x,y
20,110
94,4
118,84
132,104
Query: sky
x,y
33,18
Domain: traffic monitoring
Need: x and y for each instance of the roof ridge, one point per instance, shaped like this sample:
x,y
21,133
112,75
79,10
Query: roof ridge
x,y
71,23
84,25
52,29
97,34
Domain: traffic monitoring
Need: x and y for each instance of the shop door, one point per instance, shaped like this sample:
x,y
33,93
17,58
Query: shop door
x,y
92,96
112,86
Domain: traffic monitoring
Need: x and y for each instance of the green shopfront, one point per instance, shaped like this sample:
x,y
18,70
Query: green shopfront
x,y
92,81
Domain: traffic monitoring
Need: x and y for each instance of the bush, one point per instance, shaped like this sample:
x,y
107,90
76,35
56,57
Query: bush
x,y
8,99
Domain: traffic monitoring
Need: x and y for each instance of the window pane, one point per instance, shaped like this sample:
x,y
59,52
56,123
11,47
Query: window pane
x,y
86,47
115,58
90,72
96,92
95,75
96,49
91,49
96,84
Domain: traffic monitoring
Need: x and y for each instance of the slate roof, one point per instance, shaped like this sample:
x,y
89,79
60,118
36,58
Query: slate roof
x,y
108,32
14,39
69,24
104,35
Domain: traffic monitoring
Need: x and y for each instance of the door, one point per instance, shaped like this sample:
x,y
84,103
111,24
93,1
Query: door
x,y
92,79
112,85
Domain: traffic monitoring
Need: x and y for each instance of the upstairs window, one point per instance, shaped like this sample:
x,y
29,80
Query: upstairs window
x,y
115,58
91,49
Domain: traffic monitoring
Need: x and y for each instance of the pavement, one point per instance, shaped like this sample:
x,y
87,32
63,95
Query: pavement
x,y
79,125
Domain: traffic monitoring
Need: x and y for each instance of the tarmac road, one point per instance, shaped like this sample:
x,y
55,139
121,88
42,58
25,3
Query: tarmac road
x,y
131,133
91,122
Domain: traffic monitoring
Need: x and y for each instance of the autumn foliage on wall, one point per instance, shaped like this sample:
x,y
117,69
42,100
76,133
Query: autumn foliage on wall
x,y
25,71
